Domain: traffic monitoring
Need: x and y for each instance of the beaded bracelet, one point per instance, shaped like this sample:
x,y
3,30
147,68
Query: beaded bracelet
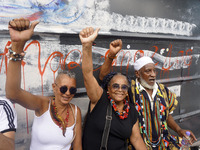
x,y
112,57
13,55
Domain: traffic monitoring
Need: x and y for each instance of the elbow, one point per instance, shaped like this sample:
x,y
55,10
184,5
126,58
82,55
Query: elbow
x,y
12,94
8,96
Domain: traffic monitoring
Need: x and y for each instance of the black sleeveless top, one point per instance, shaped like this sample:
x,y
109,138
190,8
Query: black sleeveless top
x,y
120,130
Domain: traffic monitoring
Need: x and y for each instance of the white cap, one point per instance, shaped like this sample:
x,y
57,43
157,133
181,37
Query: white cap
x,y
142,62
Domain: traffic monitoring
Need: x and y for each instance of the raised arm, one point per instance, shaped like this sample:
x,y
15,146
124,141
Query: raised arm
x,y
115,47
94,91
20,31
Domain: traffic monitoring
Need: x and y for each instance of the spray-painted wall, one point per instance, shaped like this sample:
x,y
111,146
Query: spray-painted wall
x,y
171,39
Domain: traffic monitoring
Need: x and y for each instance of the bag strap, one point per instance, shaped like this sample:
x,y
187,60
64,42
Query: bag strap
x,y
106,131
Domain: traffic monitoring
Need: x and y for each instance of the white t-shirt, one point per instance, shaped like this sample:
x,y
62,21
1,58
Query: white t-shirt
x,y
46,135
8,116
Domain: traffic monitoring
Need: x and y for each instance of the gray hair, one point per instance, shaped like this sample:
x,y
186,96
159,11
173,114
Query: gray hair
x,y
66,72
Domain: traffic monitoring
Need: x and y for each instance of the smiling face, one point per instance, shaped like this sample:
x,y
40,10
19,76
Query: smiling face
x,y
118,88
64,83
147,75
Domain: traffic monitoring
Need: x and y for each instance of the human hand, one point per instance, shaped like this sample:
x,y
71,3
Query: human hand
x,y
182,133
115,47
88,35
21,30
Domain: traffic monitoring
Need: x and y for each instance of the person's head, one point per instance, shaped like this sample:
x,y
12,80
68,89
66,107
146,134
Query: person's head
x,y
116,85
64,87
145,72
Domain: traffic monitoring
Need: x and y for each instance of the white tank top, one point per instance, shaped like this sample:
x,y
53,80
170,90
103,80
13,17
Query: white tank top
x,y
46,135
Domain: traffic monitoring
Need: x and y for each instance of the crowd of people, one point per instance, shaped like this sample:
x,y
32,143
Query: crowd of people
x,y
123,113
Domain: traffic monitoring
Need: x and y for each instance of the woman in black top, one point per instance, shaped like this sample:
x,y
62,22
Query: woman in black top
x,y
124,117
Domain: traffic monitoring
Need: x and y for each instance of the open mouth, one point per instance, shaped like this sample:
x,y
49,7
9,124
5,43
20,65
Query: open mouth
x,y
152,80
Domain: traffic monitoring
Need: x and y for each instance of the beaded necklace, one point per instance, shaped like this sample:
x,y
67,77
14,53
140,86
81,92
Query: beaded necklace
x,y
126,108
143,123
58,119
146,138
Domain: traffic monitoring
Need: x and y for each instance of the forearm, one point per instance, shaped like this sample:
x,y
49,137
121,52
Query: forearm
x,y
87,64
105,68
13,79
136,138
172,124
18,46
139,144
6,143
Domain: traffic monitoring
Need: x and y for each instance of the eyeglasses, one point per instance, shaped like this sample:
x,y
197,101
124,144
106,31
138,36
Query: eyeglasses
x,y
116,86
64,89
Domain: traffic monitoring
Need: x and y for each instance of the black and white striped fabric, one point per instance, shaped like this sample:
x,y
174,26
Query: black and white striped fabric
x,y
8,116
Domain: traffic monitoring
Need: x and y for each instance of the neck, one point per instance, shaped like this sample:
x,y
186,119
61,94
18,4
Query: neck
x,y
150,91
60,107
120,105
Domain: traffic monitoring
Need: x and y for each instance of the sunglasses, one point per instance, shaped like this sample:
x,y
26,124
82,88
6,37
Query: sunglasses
x,y
64,89
116,86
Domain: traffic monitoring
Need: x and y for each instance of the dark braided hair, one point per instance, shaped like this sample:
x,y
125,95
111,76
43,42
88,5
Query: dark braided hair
x,y
108,77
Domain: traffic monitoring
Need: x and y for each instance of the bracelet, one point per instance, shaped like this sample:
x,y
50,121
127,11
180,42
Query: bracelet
x,y
13,55
112,57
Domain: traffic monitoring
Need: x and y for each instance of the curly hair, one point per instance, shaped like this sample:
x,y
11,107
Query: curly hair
x,y
108,77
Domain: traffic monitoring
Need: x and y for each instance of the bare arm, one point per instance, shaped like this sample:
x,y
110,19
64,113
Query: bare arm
x,y
181,132
136,139
77,143
7,140
94,91
20,32
115,47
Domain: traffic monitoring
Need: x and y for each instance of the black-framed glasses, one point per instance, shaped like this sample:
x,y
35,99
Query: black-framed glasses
x,y
64,89
116,86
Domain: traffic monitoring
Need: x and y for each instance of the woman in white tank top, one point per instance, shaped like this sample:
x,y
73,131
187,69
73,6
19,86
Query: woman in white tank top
x,y
57,123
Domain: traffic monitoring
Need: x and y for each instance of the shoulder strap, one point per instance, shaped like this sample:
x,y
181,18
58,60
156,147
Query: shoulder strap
x,y
106,131
74,112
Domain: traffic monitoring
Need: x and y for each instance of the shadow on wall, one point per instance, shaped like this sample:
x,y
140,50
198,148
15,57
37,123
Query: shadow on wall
x,y
25,120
